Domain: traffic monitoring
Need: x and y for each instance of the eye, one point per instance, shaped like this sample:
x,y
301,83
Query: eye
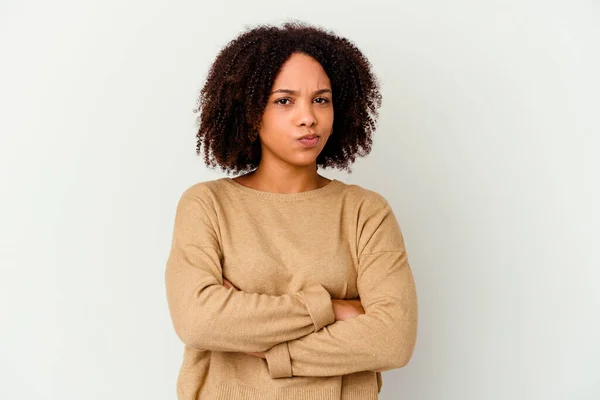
x,y
322,100
284,101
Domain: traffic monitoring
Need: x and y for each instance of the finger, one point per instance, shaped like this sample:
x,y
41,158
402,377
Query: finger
x,y
229,284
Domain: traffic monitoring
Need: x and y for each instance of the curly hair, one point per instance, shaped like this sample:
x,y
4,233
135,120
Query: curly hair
x,y
240,80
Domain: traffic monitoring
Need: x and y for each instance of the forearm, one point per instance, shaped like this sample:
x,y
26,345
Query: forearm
x,y
364,343
208,316
381,339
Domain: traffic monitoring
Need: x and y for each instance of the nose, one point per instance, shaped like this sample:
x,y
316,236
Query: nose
x,y
306,115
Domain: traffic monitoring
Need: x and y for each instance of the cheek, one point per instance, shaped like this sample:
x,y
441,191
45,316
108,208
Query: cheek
x,y
273,119
325,115
274,131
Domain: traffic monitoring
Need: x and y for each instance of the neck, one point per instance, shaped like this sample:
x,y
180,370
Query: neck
x,y
277,179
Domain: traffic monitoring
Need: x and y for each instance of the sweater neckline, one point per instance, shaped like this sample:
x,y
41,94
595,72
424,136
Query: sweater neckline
x,y
331,187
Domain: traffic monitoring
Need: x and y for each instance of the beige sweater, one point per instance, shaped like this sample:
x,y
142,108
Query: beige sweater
x,y
289,254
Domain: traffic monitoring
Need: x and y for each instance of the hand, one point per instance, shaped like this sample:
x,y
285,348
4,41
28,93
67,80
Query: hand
x,y
228,285
343,310
346,309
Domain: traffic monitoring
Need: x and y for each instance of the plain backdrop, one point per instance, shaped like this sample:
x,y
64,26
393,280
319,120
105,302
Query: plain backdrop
x,y
486,148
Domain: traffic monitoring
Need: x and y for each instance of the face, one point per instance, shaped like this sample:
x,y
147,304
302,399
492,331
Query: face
x,y
300,104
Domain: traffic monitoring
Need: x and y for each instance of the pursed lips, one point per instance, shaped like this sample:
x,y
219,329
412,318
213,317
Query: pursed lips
x,y
309,136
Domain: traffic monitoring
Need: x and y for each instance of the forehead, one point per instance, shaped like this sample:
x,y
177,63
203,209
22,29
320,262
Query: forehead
x,y
299,71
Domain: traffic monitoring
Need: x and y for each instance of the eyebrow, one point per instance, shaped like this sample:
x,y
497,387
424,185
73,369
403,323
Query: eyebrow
x,y
295,92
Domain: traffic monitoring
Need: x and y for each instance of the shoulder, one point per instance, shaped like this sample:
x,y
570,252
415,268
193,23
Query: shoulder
x,y
377,226
202,197
205,191
203,188
367,199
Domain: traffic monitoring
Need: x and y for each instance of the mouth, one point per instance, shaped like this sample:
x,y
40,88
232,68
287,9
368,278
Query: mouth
x,y
309,136
309,141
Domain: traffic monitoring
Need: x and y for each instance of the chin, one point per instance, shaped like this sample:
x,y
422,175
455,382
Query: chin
x,y
298,159
302,162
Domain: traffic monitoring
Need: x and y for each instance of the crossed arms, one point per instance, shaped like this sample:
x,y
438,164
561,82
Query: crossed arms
x,y
304,333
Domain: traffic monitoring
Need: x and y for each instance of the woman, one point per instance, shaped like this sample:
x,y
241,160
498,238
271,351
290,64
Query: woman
x,y
281,283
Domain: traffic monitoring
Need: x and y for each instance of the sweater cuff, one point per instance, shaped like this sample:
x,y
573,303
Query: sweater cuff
x,y
278,361
318,303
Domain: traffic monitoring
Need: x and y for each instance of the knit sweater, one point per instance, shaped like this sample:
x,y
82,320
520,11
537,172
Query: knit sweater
x,y
289,255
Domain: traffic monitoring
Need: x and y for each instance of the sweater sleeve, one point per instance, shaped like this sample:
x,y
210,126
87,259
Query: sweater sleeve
x,y
208,316
381,339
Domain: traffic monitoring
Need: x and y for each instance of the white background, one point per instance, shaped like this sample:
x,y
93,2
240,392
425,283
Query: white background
x,y
487,149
